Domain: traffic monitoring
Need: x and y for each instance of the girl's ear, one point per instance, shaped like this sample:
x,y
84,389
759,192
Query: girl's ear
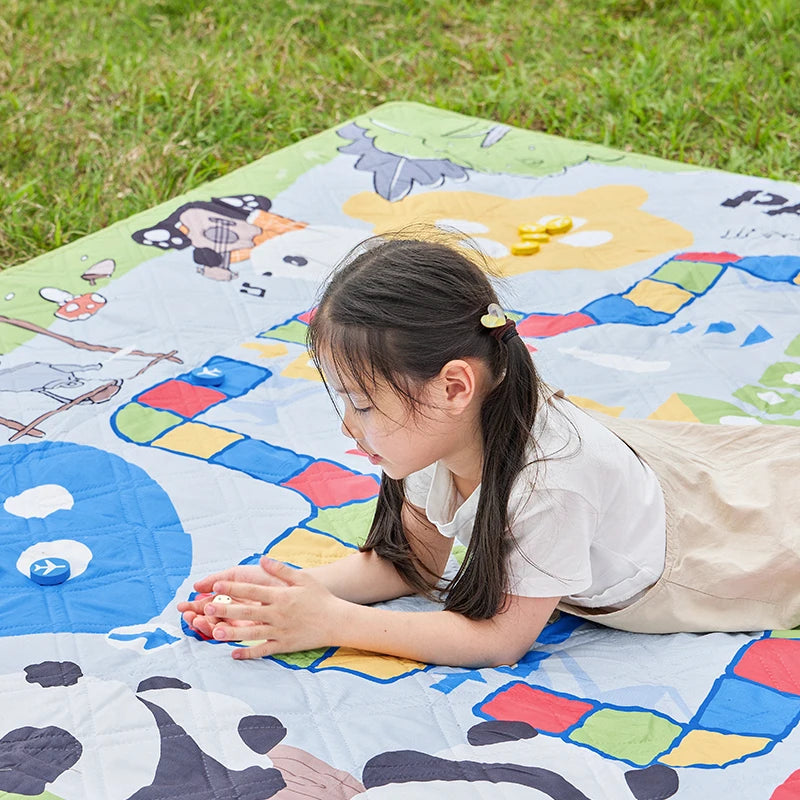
x,y
457,384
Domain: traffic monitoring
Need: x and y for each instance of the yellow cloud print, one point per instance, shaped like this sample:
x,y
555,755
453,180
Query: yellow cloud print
x,y
609,230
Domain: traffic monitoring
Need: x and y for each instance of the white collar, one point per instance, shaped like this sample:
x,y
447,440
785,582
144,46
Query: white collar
x,y
445,508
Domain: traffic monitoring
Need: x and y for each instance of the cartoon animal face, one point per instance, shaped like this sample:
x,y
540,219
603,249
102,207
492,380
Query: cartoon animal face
x,y
48,741
309,254
221,233
40,717
610,227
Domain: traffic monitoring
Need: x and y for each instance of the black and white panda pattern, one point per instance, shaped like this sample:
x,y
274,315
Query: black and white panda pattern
x,y
509,761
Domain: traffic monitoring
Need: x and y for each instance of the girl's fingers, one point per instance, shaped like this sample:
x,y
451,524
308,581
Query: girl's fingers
x,y
205,584
248,612
267,648
249,593
280,571
248,573
231,632
199,623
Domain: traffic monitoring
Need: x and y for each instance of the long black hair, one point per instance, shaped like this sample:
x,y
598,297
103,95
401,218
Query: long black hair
x,y
396,311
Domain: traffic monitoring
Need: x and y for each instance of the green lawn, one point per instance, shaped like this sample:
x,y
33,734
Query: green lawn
x,y
107,109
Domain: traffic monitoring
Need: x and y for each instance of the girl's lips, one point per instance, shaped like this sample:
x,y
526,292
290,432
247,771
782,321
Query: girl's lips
x,y
362,452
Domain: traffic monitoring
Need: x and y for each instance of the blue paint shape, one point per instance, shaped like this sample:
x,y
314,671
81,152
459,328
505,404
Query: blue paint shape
x,y
684,328
771,268
615,308
140,552
240,376
721,327
560,630
529,663
749,709
153,639
555,633
455,679
262,460
756,336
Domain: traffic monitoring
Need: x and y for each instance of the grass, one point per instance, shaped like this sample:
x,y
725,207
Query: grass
x,y
108,109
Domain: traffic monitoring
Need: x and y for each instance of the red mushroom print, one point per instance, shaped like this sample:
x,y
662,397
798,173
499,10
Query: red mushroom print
x,y
72,307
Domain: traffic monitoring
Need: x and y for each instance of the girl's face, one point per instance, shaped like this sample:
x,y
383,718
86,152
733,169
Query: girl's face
x,y
393,436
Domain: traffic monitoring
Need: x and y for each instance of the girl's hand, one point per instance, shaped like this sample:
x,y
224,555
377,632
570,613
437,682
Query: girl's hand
x,y
193,611
287,607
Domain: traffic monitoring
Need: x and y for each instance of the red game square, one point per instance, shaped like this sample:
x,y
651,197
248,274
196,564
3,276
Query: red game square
x,y
326,484
548,713
183,398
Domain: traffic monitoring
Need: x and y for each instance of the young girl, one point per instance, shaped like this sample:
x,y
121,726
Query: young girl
x,y
640,525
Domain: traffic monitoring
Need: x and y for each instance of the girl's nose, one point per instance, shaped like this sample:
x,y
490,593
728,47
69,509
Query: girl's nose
x,y
349,426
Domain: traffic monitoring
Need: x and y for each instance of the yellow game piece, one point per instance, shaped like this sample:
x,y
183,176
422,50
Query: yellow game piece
x,y
558,225
524,248
535,237
530,227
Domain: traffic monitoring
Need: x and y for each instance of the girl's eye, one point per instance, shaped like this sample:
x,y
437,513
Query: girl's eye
x,y
362,410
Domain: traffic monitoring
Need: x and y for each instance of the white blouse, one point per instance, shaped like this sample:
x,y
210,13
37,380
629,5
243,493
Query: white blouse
x,y
587,515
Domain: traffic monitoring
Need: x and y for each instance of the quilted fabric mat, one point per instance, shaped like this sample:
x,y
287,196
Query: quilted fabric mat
x,y
675,295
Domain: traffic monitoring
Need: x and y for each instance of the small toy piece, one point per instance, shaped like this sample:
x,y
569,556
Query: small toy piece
x,y
558,225
535,237
221,598
208,376
524,248
49,571
532,227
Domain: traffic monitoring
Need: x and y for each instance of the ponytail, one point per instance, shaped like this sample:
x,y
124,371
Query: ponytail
x,y
507,415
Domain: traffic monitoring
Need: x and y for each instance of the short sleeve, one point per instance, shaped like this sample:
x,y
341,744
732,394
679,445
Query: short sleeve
x,y
417,485
553,530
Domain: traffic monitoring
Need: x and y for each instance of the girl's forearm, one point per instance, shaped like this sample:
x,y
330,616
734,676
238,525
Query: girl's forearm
x,y
361,578
433,637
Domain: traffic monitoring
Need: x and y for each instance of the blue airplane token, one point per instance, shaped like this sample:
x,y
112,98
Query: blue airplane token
x,y
208,376
49,571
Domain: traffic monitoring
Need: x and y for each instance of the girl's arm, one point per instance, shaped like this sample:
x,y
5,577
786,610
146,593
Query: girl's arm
x,y
359,577
302,614
368,578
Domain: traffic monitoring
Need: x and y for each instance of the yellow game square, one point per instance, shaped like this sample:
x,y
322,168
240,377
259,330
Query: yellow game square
x,y
711,748
197,439
267,350
302,367
304,548
659,296
377,666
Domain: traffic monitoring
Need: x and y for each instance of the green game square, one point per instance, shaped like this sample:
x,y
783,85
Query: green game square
x,y
635,736
142,424
694,276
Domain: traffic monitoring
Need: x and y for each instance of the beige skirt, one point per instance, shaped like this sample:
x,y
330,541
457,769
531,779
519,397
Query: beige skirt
x,y
732,496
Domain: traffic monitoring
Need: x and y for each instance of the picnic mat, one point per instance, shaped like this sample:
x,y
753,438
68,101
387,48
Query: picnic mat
x,y
674,295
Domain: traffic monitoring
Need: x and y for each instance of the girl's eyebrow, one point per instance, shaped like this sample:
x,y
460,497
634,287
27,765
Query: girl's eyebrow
x,y
349,393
